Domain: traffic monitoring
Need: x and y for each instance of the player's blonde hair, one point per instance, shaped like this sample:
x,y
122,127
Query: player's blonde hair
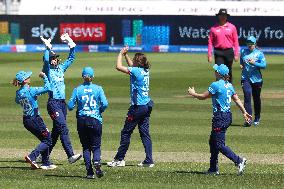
x,y
16,83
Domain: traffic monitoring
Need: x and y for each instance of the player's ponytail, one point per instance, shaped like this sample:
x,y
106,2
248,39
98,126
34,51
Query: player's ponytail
x,y
15,82
141,61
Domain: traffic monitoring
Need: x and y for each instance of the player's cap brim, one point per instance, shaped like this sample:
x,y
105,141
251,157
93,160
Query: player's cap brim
x,y
29,73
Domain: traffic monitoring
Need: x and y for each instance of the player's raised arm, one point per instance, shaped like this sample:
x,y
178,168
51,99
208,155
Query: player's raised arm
x,y
119,65
127,58
71,57
46,55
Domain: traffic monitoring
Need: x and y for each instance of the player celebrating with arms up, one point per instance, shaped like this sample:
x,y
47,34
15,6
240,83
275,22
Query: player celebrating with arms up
x,y
56,105
26,96
140,109
221,92
92,103
252,60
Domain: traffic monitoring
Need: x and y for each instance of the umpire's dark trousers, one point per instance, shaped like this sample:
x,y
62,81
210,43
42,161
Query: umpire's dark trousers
x,y
225,56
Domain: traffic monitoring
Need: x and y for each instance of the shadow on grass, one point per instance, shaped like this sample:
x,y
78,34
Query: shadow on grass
x,y
236,125
201,173
21,168
65,176
23,161
12,161
191,172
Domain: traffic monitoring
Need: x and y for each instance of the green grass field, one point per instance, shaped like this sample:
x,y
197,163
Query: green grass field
x,y
179,126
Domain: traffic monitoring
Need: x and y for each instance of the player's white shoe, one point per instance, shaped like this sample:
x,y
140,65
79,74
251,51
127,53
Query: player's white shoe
x,y
241,166
74,158
90,177
256,122
142,164
48,167
116,163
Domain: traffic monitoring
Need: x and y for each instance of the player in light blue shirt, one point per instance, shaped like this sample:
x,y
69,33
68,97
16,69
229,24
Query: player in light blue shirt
x,y
139,85
220,100
26,96
91,103
221,92
56,105
139,110
251,62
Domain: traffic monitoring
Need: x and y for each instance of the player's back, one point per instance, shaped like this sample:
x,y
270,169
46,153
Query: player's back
x,y
139,82
221,91
89,99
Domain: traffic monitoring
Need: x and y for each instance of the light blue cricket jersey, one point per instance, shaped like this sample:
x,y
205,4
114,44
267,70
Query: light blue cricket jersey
x,y
139,85
90,99
27,97
252,72
221,92
56,75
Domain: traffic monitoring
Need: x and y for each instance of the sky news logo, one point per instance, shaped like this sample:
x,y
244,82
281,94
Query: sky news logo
x,y
77,31
85,31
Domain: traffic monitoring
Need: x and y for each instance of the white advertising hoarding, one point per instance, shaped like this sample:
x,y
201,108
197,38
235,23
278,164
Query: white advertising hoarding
x,y
157,7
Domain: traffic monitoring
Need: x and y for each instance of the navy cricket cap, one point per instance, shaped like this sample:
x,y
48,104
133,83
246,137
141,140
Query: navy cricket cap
x,y
21,76
88,72
222,69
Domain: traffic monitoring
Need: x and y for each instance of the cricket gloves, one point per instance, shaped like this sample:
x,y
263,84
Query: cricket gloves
x,y
46,42
67,39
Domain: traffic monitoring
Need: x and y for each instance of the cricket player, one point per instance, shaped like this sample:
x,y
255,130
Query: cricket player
x,y
56,105
26,96
221,92
251,62
91,103
140,109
